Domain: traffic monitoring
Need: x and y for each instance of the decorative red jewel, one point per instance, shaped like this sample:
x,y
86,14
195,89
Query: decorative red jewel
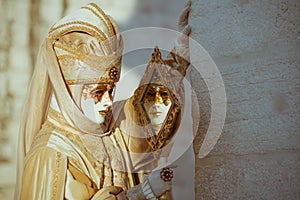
x,y
114,73
166,174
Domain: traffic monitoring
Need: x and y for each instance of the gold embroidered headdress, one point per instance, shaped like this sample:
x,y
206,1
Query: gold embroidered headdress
x,y
95,60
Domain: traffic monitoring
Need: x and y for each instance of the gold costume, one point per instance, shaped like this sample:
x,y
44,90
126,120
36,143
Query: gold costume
x,y
55,161
63,154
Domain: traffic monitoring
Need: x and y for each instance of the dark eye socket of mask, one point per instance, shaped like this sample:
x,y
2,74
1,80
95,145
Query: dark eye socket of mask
x,y
99,90
164,94
152,92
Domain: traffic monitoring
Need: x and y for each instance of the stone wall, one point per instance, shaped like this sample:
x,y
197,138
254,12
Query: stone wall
x,y
256,46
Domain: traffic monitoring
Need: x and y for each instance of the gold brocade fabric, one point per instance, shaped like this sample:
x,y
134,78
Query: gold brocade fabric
x,y
70,165
61,165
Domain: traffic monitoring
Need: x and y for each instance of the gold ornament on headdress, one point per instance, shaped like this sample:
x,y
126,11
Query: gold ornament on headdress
x,y
77,63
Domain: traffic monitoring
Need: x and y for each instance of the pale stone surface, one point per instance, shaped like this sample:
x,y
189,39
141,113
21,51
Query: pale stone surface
x,y
253,116
233,27
273,175
256,46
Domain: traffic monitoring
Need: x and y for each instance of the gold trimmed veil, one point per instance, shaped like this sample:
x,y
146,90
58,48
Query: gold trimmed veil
x,y
48,77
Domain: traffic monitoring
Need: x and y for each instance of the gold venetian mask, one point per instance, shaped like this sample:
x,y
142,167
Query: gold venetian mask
x,y
157,104
96,101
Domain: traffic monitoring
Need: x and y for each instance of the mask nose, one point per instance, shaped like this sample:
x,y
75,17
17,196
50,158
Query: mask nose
x,y
158,98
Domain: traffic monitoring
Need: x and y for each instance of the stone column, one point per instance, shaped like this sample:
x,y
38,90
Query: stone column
x,y
256,46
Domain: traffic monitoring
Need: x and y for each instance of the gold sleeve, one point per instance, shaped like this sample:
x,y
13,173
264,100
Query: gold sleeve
x,y
44,175
78,185
48,174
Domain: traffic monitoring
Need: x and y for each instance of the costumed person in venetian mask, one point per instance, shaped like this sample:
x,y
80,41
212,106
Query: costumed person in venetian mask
x,y
68,145
148,121
145,124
